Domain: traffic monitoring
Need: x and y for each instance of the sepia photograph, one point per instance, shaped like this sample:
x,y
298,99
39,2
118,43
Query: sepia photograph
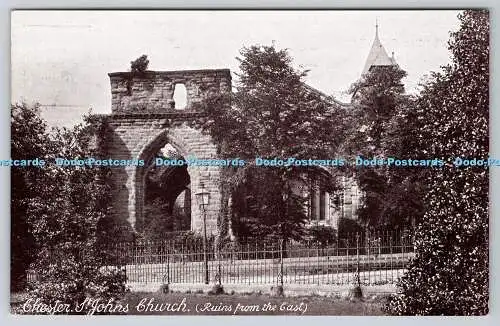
x,y
251,162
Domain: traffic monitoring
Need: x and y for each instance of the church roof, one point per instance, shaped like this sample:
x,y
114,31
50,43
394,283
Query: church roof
x,y
377,56
327,98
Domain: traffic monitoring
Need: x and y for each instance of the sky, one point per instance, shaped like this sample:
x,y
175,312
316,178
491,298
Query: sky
x,y
61,58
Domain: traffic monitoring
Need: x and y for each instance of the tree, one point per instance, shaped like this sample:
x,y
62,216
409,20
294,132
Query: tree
x,y
29,141
63,213
382,123
449,275
273,115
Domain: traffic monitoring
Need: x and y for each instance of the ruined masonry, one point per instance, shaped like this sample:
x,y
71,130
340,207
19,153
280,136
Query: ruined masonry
x,y
144,119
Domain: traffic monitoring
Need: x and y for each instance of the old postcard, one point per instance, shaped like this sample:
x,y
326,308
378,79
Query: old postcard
x,y
252,162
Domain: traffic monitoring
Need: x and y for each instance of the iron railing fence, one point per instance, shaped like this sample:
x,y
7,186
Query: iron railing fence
x,y
376,257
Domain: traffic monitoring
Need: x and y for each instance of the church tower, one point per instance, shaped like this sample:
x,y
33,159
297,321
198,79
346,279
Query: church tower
x,y
377,59
377,56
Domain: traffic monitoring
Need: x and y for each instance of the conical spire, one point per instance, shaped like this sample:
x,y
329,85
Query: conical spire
x,y
377,56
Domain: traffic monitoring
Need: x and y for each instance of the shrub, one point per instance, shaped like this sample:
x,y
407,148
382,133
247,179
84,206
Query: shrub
x,y
64,214
140,64
323,235
348,227
71,279
449,275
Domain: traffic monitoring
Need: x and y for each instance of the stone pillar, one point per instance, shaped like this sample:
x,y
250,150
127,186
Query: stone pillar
x,y
209,177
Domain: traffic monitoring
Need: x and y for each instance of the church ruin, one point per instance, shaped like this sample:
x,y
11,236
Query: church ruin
x,y
148,118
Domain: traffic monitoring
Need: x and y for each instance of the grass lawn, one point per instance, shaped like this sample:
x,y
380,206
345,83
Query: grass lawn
x,y
236,304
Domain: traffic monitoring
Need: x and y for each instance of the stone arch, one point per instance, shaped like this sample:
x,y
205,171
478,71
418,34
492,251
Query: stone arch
x,y
147,154
209,176
143,120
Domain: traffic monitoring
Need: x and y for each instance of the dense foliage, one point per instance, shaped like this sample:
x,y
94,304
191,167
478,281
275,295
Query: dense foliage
x,y
322,235
140,64
449,275
273,115
29,140
381,126
63,211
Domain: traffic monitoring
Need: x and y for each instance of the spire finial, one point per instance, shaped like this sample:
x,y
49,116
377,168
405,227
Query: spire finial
x,y
376,26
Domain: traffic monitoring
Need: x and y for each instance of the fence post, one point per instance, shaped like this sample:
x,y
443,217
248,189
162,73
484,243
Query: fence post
x,y
318,261
390,256
218,276
356,290
413,239
348,260
280,274
168,265
402,240
166,278
247,265
337,260
125,257
368,254
357,279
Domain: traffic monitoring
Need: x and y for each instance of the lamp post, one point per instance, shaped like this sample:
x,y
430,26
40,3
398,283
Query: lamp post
x,y
203,197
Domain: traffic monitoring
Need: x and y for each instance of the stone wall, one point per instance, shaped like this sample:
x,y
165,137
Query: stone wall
x,y
142,122
153,91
